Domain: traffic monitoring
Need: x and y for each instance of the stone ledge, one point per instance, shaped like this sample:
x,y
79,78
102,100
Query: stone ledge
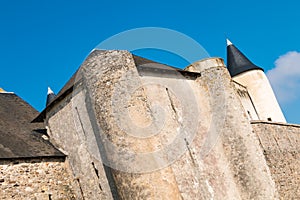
x,y
274,123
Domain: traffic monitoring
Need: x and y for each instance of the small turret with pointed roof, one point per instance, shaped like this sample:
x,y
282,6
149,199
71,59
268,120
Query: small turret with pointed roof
x,y
50,96
237,62
262,103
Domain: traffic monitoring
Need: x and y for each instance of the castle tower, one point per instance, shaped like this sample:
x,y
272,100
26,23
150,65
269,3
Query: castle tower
x,y
244,72
50,96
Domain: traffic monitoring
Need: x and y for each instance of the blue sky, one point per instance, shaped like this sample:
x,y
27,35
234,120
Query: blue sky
x,y
44,42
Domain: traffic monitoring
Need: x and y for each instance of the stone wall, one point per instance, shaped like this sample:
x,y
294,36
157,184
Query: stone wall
x,y
235,167
40,179
110,119
71,131
246,101
122,115
222,161
281,145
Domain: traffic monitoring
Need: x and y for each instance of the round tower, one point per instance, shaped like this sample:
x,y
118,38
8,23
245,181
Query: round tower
x,y
244,72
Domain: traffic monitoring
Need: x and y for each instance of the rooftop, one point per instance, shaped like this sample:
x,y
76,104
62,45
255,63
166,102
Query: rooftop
x,y
18,137
237,62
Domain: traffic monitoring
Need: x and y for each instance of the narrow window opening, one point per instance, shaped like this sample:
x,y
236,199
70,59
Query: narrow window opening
x,y
249,114
96,170
81,191
269,119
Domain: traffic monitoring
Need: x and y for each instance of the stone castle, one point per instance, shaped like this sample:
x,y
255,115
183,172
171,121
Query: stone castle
x,y
125,127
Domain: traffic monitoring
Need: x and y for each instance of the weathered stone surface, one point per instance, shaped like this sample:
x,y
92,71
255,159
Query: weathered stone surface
x,y
36,179
111,119
70,132
281,145
234,168
111,67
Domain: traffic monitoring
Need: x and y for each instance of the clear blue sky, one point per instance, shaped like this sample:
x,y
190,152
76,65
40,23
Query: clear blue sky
x,y
44,42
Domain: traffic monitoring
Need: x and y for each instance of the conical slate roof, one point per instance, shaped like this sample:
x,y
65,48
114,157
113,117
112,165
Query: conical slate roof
x,y
50,96
237,62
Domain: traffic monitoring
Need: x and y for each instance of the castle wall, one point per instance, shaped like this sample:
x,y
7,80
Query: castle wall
x,y
71,131
224,160
246,101
40,179
119,112
281,145
237,149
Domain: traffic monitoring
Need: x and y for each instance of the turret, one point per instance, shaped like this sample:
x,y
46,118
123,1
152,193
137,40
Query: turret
x,y
50,96
244,72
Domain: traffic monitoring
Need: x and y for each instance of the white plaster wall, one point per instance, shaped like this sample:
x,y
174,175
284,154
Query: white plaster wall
x,y
261,94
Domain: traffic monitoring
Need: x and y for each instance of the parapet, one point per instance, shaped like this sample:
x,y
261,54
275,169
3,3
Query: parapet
x,y
204,64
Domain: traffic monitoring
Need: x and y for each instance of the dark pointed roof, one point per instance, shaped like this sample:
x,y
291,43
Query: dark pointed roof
x,y
18,137
50,96
237,62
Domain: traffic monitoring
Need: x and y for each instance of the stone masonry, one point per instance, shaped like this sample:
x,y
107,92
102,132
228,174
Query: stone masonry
x,y
40,179
224,159
281,146
125,127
